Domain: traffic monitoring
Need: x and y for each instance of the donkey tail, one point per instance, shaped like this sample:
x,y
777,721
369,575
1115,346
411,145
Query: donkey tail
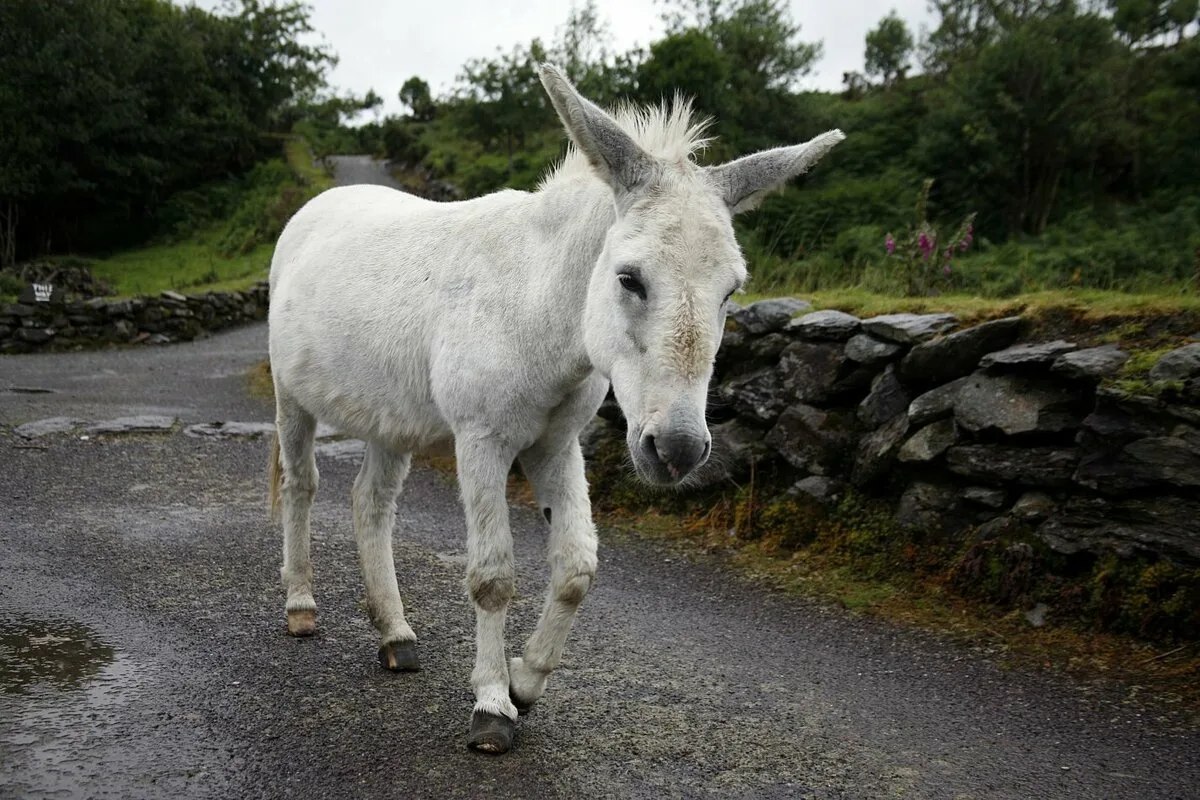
x,y
274,477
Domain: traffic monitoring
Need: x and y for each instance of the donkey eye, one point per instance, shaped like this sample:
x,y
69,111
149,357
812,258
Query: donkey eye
x,y
632,284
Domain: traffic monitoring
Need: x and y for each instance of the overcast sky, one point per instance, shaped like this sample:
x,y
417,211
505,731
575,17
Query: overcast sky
x,y
381,43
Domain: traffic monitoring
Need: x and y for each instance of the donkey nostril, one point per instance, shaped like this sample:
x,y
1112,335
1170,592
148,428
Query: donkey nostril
x,y
707,451
650,446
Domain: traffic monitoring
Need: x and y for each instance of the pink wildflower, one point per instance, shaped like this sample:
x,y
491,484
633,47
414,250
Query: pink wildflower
x,y
926,245
889,244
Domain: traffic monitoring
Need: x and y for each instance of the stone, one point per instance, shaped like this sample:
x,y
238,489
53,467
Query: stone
x,y
735,446
19,310
145,423
926,506
1002,527
909,328
610,410
820,488
1027,356
1161,525
159,338
1091,364
342,450
877,451
123,329
35,335
985,496
1015,405
929,442
810,370
1036,616
812,440
597,434
825,325
1142,463
1028,466
766,349
766,316
1178,365
229,430
886,399
46,427
1033,506
957,354
758,396
936,403
173,296
868,350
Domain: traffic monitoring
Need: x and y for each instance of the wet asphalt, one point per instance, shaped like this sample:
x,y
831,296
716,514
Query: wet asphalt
x,y
154,553
143,653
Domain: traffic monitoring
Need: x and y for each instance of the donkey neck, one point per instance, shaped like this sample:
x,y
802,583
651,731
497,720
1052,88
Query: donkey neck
x,y
573,215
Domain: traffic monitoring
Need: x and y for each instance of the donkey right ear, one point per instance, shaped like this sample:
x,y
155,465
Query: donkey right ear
x,y
613,154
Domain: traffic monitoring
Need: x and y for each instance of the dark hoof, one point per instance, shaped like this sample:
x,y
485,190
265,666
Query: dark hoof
x,y
399,657
523,706
490,733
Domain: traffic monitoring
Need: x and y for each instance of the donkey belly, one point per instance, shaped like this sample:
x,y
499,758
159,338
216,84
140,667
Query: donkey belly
x,y
382,402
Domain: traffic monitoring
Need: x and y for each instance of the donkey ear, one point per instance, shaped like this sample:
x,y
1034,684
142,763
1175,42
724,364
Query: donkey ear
x,y
745,182
612,153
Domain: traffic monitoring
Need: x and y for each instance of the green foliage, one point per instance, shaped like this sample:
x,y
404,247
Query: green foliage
x,y
925,254
889,47
416,96
112,107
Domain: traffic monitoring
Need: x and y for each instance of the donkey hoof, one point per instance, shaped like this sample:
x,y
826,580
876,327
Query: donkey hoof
x,y
302,622
522,705
491,733
399,657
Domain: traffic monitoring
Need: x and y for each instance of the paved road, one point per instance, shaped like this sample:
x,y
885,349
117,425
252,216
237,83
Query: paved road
x,y
142,651
348,170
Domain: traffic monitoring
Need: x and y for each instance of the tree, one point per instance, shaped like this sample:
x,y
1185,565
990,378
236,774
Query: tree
x,y
111,107
1034,108
889,47
1142,21
501,98
758,59
416,96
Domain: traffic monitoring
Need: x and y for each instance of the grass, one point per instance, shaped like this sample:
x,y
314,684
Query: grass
x,y
1088,303
187,266
204,259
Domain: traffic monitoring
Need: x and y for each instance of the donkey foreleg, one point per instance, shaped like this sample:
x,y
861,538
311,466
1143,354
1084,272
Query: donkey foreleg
x,y
561,488
374,501
491,578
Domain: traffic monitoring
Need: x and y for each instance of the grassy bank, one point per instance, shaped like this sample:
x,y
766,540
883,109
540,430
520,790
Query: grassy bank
x,y
219,236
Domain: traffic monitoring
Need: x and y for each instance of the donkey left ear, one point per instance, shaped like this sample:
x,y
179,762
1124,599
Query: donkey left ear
x,y
613,153
745,182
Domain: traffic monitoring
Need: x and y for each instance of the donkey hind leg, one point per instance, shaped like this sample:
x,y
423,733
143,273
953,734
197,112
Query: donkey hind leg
x,y
374,500
482,476
561,488
295,428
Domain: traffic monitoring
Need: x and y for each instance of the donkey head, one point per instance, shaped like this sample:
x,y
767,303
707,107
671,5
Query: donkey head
x,y
657,298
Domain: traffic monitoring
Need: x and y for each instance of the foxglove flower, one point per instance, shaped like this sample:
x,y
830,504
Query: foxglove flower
x,y
889,244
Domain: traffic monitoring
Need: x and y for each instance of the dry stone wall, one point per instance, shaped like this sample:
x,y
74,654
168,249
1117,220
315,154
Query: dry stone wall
x,y
966,430
60,324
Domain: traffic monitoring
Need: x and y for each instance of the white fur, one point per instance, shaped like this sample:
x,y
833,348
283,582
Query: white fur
x,y
497,324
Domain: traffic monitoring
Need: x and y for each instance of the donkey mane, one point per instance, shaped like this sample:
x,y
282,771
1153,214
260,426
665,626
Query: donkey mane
x,y
671,132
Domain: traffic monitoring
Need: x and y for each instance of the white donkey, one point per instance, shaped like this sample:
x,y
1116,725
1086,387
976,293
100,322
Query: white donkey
x,y
498,324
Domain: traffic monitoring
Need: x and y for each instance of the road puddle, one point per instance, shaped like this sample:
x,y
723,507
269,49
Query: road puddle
x,y
61,689
55,654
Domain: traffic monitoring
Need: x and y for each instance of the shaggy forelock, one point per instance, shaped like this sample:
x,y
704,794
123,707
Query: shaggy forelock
x,y
669,132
